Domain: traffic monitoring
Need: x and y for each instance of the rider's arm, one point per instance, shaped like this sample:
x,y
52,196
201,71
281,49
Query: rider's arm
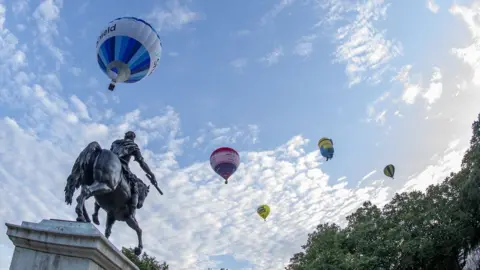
x,y
139,158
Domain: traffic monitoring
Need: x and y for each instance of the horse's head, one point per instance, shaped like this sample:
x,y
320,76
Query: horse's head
x,y
142,193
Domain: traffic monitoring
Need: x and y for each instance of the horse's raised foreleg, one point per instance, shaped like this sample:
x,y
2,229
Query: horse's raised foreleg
x,y
132,223
95,213
109,225
88,191
97,188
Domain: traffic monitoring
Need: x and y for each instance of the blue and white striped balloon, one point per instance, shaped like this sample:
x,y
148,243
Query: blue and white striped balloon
x,y
128,50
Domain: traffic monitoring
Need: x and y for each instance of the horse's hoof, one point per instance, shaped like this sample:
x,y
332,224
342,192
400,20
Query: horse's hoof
x,y
81,219
137,251
95,220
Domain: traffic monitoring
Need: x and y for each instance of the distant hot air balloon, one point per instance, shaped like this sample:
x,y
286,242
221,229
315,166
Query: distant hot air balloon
x,y
263,211
326,148
224,162
128,50
389,170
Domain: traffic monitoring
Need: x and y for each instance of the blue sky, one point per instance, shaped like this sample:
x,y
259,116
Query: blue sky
x,y
388,81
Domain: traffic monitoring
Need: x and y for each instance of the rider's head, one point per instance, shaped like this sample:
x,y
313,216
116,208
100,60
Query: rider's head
x,y
130,135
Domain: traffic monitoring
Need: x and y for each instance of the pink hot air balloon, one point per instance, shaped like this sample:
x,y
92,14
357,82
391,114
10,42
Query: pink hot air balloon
x,y
224,162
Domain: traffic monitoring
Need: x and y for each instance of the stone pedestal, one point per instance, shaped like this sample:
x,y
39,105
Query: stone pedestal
x,y
59,244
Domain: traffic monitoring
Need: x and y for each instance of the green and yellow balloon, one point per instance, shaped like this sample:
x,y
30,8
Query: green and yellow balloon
x,y
263,211
389,170
326,148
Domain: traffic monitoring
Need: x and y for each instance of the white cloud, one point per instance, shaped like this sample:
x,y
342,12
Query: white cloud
x,y
76,71
243,32
365,177
46,16
21,27
378,116
81,107
48,11
304,46
410,93
435,89
83,7
279,7
303,49
273,57
19,7
92,82
369,174
239,63
218,136
51,81
470,54
363,48
381,117
432,6
404,74
435,173
174,16
412,90
2,15
19,59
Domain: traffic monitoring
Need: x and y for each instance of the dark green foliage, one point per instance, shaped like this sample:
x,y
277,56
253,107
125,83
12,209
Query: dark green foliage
x,y
144,262
430,230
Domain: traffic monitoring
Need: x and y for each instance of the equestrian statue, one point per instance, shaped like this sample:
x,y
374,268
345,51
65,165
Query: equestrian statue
x,y
105,175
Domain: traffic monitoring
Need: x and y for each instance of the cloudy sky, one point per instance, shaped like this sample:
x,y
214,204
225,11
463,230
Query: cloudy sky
x,y
389,81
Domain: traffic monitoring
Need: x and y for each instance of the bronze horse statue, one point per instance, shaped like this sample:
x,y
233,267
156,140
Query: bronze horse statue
x,y
99,174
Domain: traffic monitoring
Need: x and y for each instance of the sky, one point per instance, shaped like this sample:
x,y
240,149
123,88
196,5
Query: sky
x,y
391,82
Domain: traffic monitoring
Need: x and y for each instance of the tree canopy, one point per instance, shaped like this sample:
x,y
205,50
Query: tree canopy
x,y
435,229
144,262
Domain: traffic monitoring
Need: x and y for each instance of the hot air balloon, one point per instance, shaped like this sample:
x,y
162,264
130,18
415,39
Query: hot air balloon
x,y
389,170
224,162
263,211
326,148
128,50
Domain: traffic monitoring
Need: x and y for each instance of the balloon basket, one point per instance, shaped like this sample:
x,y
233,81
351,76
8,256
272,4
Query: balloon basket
x,y
111,86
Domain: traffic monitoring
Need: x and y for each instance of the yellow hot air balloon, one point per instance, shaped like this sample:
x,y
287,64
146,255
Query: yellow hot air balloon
x,y
263,211
326,147
389,170
324,142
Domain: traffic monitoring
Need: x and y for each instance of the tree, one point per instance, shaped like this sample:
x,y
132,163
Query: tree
x,y
145,262
366,238
325,249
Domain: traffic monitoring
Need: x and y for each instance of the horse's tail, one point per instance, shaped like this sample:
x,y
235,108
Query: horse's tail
x,y
81,167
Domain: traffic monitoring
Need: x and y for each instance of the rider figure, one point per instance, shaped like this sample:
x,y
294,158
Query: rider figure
x,y
126,148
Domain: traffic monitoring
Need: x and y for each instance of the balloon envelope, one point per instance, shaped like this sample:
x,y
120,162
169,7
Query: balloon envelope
x,y
128,50
224,161
326,147
389,170
263,211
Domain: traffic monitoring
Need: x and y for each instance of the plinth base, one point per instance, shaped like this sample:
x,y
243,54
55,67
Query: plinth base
x,y
59,244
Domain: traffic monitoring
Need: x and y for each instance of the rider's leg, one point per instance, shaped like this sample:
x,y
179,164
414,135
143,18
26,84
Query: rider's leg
x,y
134,203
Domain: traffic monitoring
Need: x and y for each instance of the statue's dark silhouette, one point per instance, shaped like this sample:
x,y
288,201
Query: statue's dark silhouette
x,y
105,174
